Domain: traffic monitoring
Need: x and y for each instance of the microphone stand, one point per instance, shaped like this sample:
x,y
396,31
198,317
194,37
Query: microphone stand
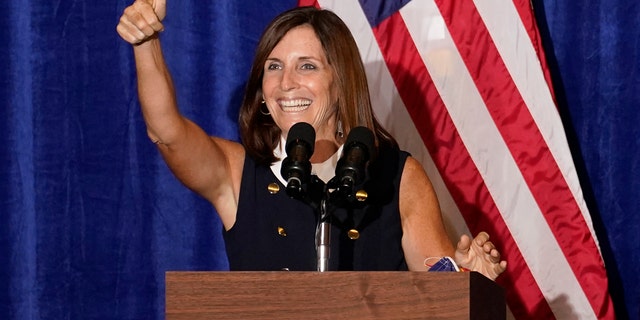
x,y
317,194
328,201
323,237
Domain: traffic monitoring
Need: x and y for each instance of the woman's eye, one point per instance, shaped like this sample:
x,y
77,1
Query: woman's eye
x,y
273,66
308,66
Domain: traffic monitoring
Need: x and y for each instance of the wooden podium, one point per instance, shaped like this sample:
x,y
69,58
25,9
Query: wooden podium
x,y
332,295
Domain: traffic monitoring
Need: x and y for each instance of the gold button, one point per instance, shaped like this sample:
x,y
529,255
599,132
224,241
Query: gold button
x,y
282,232
273,188
353,234
361,195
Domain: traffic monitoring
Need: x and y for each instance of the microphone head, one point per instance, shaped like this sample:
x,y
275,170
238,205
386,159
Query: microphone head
x,y
304,132
363,136
350,170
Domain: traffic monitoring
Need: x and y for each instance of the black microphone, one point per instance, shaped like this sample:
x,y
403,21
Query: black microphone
x,y
350,170
296,167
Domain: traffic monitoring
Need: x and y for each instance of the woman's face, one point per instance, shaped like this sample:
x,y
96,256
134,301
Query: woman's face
x,y
298,83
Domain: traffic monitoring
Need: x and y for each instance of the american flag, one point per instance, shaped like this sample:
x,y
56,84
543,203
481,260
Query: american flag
x,y
464,86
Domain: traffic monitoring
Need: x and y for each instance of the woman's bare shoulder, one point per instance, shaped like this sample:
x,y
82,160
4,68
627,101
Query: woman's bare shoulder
x,y
234,152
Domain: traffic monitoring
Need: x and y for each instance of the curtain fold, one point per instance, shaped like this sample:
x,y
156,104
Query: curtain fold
x,y
18,230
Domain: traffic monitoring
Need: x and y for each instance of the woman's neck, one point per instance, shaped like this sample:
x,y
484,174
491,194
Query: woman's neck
x,y
323,150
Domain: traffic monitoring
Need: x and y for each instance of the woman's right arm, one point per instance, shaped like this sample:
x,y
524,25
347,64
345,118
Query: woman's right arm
x,y
209,166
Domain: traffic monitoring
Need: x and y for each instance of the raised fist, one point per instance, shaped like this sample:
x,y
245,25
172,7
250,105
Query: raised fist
x,y
142,20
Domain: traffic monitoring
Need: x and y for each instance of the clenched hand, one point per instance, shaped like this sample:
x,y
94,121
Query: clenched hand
x,y
142,20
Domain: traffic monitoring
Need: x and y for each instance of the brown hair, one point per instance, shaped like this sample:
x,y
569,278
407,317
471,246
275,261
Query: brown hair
x,y
259,133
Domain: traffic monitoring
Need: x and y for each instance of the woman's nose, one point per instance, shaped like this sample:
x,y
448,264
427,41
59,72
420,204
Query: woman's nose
x,y
289,79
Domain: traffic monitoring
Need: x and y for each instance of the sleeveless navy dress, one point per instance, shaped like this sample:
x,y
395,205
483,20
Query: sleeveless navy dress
x,y
275,232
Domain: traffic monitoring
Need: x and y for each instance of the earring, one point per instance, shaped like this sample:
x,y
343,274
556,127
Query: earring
x,y
340,131
263,106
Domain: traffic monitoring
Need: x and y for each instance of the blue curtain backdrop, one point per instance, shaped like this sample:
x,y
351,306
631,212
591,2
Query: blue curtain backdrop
x,y
594,54
91,218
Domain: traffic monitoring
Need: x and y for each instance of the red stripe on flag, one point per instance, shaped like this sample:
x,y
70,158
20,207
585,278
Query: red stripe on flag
x,y
305,3
459,173
529,149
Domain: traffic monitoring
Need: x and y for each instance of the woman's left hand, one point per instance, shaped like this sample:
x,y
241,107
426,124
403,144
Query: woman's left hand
x,y
480,255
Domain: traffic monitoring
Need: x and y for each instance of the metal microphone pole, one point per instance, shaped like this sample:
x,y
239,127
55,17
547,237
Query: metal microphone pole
x,y
323,237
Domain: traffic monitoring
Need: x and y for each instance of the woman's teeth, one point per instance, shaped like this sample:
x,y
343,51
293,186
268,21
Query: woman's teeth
x,y
294,105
